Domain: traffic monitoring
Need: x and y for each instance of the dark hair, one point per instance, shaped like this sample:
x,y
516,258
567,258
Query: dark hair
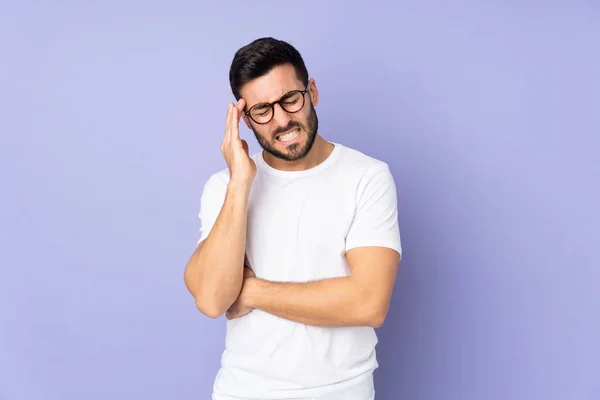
x,y
261,56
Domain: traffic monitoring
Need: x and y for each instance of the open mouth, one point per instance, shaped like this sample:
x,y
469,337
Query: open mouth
x,y
289,136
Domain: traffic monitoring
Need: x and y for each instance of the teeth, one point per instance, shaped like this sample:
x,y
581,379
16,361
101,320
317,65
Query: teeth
x,y
289,136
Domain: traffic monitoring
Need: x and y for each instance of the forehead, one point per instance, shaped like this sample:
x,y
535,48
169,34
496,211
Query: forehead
x,y
271,86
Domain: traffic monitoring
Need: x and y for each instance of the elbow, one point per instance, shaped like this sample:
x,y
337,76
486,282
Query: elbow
x,y
377,319
209,308
206,303
374,314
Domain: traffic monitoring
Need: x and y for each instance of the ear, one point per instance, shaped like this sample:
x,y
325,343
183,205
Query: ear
x,y
247,121
313,91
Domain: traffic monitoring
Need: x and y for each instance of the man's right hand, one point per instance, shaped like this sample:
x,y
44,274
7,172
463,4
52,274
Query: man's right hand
x,y
242,168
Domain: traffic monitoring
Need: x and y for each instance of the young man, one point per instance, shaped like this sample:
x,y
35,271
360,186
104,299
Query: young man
x,y
299,243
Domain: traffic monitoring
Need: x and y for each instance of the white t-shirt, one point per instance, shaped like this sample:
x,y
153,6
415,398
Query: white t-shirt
x,y
300,224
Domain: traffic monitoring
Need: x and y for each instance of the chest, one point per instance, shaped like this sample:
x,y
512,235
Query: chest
x,y
296,231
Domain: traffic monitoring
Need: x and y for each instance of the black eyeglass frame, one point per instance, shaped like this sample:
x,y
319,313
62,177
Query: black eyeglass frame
x,y
272,105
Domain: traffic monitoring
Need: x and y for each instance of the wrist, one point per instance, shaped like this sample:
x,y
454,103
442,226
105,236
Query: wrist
x,y
251,292
238,192
239,185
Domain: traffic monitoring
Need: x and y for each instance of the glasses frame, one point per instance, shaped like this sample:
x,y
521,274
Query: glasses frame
x,y
272,105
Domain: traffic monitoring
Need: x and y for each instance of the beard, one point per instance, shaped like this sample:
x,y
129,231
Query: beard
x,y
294,151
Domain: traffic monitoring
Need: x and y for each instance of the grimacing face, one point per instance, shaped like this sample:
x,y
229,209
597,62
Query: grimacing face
x,y
288,136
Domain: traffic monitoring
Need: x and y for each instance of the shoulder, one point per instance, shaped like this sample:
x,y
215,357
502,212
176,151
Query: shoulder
x,y
362,166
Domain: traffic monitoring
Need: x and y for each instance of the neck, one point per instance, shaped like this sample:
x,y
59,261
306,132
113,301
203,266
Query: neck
x,y
319,152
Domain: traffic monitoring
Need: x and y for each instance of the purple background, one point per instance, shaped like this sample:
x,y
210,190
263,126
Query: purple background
x,y
487,112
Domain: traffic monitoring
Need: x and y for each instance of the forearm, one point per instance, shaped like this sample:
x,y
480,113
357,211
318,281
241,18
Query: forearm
x,y
333,302
214,274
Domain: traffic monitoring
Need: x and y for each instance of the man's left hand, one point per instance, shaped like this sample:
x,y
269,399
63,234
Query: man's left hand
x,y
239,308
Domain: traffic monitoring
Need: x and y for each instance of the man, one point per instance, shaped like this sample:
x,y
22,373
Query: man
x,y
299,243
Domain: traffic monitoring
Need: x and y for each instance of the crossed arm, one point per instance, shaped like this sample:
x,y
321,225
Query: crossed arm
x,y
361,299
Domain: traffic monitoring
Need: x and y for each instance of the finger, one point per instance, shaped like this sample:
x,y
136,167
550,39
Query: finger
x,y
228,122
234,124
240,106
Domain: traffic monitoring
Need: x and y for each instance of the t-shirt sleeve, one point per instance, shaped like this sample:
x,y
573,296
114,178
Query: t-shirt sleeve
x,y
211,202
375,221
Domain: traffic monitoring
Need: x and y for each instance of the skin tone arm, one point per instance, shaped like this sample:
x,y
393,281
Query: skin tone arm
x,y
361,299
214,274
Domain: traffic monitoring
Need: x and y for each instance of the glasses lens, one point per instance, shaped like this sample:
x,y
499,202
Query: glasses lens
x,y
293,102
261,113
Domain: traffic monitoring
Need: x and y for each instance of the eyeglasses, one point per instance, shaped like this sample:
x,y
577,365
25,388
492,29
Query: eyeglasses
x,y
291,102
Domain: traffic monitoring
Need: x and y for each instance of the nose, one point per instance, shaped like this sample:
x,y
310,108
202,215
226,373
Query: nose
x,y
280,117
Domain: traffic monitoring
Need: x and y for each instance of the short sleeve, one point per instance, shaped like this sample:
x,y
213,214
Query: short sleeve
x,y
375,221
211,202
